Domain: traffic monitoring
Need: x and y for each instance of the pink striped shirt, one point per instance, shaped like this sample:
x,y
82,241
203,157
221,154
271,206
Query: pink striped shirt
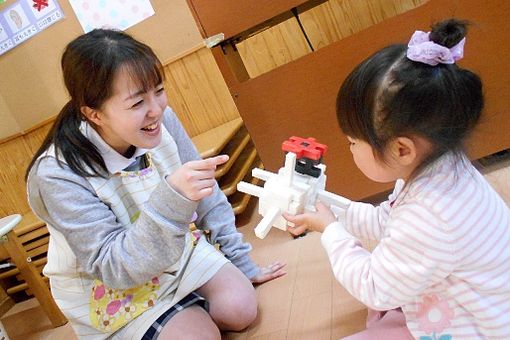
x,y
443,254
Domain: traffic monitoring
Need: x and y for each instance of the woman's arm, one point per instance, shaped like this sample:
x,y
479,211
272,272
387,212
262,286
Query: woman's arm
x,y
120,257
214,212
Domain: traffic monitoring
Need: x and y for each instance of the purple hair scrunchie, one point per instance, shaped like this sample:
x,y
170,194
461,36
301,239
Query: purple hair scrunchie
x,y
421,49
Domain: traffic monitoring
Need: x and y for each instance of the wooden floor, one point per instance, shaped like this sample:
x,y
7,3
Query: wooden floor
x,y
307,303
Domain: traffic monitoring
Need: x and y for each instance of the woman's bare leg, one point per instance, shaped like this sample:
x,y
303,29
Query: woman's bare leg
x,y
191,323
231,297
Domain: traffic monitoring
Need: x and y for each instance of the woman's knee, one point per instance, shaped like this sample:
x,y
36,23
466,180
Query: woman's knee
x,y
242,310
232,298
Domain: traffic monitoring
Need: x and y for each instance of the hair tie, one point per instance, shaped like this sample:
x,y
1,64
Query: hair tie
x,y
421,49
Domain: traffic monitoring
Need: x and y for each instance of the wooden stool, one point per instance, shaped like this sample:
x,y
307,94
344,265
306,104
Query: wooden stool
x,y
19,257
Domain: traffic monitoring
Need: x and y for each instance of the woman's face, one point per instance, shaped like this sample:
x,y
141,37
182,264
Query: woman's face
x,y
131,117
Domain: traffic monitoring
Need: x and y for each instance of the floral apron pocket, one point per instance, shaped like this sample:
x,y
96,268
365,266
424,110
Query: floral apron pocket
x,y
110,309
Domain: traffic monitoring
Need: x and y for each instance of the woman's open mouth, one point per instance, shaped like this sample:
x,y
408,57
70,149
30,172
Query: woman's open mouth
x,y
152,128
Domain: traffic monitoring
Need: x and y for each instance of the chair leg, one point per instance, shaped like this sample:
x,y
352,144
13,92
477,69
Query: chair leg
x,y
34,280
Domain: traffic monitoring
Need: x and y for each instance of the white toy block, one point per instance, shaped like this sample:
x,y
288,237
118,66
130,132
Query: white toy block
x,y
329,198
250,189
267,222
288,191
262,174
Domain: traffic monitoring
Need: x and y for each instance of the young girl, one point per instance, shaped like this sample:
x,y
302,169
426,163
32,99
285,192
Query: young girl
x,y
441,269
118,182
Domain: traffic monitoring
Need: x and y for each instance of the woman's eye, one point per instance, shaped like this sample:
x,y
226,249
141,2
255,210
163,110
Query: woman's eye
x,y
138,103
161,90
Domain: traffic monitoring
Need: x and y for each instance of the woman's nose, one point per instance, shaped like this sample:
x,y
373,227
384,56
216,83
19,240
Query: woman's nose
x,y
155,108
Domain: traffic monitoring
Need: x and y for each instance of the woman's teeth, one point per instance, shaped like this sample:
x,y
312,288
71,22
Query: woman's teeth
x,y
150,127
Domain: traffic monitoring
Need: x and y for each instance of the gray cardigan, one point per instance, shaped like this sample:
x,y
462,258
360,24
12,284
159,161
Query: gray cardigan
x,y
126,257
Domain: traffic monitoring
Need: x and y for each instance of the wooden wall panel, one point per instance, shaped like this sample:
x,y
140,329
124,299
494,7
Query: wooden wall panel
x,y
337,19
323,24
197,92
15,155
34,138
274,47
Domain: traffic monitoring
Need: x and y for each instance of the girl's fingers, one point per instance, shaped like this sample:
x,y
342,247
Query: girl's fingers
x,y
321,206
288,217
296,219
298,230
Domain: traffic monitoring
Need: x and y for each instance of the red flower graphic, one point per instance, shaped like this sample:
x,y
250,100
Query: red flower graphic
x,y
40,4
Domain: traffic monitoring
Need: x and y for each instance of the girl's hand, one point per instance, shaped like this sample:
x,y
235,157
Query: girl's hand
x,y
315,221
269,273
195,179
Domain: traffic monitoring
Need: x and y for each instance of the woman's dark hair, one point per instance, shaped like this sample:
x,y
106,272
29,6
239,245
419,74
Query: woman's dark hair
x,y
389,95
90,64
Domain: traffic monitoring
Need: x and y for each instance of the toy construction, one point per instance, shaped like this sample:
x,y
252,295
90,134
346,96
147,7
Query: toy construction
x,y
295,189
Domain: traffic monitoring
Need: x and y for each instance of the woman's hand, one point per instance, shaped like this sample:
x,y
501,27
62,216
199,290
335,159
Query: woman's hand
x,y
195,179
315,221
269,273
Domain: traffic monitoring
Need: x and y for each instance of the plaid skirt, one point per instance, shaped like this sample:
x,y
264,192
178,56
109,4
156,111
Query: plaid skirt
x,y
189,300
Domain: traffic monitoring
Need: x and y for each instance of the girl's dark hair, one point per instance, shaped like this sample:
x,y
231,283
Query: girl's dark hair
x,y
90,64
389,95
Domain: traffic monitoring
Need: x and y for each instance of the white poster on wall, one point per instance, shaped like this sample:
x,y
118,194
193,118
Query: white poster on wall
x,y
119,14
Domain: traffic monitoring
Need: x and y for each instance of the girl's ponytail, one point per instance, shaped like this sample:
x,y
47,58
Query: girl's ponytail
x,y
448,33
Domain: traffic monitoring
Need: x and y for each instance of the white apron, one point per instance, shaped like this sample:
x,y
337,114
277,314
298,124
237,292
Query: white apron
x,y
95,311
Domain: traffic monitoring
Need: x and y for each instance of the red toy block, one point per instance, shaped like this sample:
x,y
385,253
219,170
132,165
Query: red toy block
x,y
305,148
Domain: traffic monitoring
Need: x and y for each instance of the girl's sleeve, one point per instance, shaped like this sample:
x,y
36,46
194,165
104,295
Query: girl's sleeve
x,y
367,221
214,212
415,255
120,257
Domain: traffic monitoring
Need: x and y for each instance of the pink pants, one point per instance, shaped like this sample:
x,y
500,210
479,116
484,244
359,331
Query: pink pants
x,y
389,325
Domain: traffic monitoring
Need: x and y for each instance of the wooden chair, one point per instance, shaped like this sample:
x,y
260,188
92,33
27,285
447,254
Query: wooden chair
x,y
22,240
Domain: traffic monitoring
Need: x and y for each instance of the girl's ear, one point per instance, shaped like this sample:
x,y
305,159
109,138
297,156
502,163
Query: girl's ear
x,y
404,150
91,114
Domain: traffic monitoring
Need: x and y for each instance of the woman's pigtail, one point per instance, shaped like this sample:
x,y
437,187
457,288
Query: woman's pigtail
x,y
70,143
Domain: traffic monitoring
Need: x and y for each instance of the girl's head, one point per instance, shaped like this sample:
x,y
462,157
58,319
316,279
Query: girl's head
x,y
408,113
115,83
